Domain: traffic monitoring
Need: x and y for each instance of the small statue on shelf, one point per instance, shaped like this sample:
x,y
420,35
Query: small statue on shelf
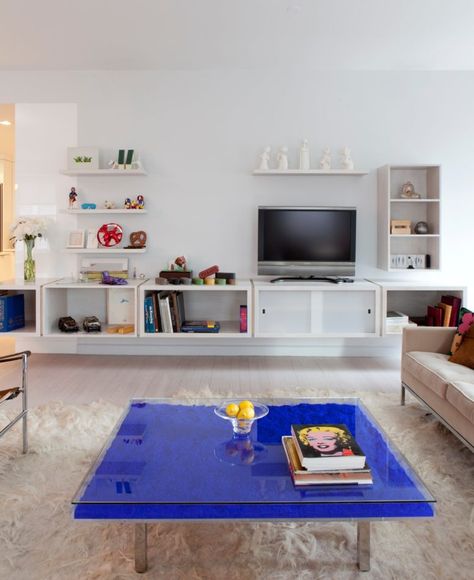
x,y
305,163
282,158
346,160
127,203
325,161
109,204
72,198
408,191
140,202
178,265
264,159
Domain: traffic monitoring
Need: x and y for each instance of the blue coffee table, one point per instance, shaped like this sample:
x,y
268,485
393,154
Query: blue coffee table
x,y
172,461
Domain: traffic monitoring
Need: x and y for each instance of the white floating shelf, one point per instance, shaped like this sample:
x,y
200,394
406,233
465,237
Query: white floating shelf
x,y
425,200
104,251
108,211
115,172
414,235
308,172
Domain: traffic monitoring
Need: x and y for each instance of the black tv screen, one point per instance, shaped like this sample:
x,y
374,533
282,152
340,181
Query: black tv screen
x,y
306,240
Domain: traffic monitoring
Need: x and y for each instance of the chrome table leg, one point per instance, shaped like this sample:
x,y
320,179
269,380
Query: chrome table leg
x,y
363,545
141,563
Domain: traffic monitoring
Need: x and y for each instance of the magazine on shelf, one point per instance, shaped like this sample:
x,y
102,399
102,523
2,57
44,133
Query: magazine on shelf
x,y
302,476
327,447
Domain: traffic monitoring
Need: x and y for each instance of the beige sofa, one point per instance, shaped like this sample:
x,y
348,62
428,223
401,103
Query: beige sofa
x,y
445,387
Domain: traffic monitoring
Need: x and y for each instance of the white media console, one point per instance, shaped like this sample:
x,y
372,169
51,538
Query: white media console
x,y
289,310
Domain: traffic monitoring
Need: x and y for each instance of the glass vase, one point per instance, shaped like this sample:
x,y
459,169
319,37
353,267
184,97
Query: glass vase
x,y
29,267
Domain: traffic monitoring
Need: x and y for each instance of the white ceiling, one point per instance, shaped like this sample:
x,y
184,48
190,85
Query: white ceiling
x,y
209,34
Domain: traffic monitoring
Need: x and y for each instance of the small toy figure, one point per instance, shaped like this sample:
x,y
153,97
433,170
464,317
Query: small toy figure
x,y
282,158
140,202
179,265
346,160
112,280
72,198
128,203
325,162
133,204
304,156
408,191
264,159
109,204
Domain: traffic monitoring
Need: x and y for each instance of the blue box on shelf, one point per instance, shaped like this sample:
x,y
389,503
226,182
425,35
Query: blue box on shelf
x,y
12,312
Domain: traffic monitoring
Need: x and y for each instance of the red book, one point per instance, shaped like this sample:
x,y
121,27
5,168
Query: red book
x,y
436,314
243,318
455,302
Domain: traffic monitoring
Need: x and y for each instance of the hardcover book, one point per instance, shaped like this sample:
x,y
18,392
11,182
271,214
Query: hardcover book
x,y
302,476
327,447
209,326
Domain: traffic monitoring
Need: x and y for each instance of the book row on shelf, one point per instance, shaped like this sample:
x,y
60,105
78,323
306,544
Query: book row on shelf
x,y
165,312
325,455
444,313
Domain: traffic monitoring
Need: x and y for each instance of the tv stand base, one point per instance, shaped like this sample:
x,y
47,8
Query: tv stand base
x,y
330,279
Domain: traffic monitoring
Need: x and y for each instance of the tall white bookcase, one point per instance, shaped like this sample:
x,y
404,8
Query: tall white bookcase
x,y
391,206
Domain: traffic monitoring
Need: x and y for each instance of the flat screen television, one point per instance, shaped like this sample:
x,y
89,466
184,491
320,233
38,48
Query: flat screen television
x,y
306,241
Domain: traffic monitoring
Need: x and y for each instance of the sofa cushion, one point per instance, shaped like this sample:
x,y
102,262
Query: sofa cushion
x,y
435,371
464,355
461,395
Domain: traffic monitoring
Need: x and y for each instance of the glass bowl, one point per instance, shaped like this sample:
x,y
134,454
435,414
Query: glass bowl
x,y
241,426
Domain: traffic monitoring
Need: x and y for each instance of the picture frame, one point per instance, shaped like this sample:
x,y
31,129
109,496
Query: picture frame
x,y
120,306
83,158
92,241
76,239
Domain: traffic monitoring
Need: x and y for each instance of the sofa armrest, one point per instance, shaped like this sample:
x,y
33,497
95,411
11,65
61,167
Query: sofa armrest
x,y
428,339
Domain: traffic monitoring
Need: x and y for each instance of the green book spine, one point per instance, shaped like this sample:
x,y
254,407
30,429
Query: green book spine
x,y
121,156
129,157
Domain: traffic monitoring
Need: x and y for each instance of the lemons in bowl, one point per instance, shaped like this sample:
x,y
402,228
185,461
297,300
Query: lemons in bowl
x,y
242,414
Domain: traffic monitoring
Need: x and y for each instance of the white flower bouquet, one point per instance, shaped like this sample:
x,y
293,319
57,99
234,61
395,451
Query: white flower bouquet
x,y
28,228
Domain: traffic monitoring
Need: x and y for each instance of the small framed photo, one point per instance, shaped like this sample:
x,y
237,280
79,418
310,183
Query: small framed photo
x,y
92,241
83,158
76,239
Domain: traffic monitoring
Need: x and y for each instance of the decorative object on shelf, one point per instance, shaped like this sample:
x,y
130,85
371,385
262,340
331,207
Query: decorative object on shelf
x,y
178,265
176,276
72,198
209,272
112,280
305,162
408,191
421,228
127,204
120,306
137,239
125,160
83,158
88,205
91,324
229,277
109,204
92,268
265,159
325,161
121,329
198,281
110,235
140,202
92,242
282,158
67,324
161,281
400,227
76,239
209,281
410,261
346,160
27,229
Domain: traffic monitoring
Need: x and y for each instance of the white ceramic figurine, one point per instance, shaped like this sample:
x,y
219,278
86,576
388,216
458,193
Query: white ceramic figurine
x,y
264,159
325,162
305,163
282,158
346,160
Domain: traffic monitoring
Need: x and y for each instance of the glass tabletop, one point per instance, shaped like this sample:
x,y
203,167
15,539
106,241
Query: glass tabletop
x,y
164,451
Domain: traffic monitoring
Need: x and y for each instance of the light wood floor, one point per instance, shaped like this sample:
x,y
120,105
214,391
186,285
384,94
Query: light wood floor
x,y
85,378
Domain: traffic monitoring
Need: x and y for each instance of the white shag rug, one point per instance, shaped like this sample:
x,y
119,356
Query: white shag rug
x,y
39,540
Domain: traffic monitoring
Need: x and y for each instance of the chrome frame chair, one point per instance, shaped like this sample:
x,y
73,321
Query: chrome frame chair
x,y
13,392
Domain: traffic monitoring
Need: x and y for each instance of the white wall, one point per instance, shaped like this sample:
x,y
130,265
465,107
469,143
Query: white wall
x,y
199,134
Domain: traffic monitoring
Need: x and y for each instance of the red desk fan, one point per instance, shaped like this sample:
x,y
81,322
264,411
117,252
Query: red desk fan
x,y
110,235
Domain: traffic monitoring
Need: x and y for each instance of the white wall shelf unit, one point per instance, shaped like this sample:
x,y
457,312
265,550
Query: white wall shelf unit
x,y
219,303
104,172
316,310
426,181
412,298
308,172
107,211
113,306
32,294
104,251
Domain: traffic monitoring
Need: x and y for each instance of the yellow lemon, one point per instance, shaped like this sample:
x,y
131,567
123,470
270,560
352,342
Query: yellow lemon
x,y
245,405
246,413
231,410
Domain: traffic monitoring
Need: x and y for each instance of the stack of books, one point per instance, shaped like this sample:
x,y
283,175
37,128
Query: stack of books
x,y
445,313
324,455
396,321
